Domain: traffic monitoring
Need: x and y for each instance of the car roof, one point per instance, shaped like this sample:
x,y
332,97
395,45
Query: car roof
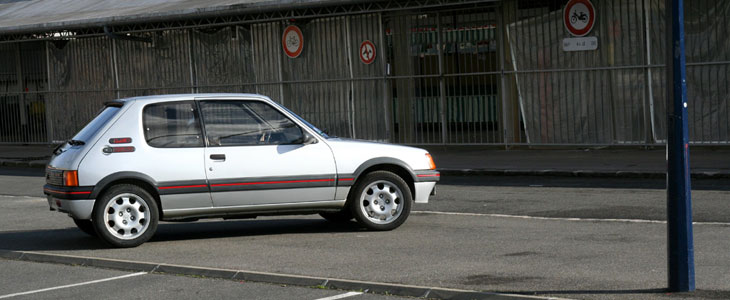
x,y
181,97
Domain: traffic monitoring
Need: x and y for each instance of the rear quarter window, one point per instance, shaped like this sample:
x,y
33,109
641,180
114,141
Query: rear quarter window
x,y
172,125
97,123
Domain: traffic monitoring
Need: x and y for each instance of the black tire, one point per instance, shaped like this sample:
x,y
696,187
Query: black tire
x,y
86,226
343,216
394,190
128,204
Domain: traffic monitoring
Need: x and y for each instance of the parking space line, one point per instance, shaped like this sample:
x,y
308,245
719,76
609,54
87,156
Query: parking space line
x,y
340,296
71,285
559,219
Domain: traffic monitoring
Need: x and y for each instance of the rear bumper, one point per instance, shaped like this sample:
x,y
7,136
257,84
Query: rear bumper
x,y
77,209
71,200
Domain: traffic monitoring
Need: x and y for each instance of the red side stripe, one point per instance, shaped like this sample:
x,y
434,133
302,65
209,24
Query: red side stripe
x,y
347,179
429,175
182,186
272,182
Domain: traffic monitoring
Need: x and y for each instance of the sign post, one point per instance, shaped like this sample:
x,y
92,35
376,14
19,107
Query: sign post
x,y
680,248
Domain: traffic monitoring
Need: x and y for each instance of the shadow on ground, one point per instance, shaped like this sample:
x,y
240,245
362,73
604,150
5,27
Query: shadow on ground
x,y
73,239
698,294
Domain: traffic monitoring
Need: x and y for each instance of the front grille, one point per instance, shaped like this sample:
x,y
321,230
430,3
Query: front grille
x,y
54,177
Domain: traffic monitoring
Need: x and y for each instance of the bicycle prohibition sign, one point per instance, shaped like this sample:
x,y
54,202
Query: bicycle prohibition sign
x,y
579,16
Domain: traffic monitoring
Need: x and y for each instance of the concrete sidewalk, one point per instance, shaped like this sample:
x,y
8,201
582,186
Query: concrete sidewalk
x,y
629,162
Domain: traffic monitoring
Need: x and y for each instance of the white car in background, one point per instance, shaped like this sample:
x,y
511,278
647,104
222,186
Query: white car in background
x,y
186,157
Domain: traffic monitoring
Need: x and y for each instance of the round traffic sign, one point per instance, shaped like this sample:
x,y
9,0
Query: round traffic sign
x,y
292,41
579,16
367,52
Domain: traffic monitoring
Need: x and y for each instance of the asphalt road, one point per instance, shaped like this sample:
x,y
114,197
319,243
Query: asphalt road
x,y
528,235
30,280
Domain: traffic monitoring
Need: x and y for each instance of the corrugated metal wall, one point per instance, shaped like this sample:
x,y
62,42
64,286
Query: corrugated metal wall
x,y
487,75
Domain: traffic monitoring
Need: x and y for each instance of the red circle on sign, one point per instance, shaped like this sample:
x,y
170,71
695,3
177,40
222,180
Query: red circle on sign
x,y
367,52
292,41
569,19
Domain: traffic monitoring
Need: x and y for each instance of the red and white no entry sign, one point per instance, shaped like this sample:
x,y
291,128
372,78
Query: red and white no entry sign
x,y
579,17
367,52
292,41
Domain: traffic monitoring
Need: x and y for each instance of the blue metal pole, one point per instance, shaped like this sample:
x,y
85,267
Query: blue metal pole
x,y
679,202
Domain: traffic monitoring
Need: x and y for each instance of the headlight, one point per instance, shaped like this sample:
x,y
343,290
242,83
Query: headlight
x,y
431,164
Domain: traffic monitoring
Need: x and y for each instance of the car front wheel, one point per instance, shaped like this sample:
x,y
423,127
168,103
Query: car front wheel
x,y
381,201
126,216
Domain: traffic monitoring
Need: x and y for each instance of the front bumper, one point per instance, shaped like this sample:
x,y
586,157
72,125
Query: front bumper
x,y
423,191
425,183
71,200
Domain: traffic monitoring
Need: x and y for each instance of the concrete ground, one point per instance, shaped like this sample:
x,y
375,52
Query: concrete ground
x,y
556,237
30,280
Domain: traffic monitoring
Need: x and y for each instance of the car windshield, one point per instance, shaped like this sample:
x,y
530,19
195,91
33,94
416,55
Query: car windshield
x,y
97,123
317,130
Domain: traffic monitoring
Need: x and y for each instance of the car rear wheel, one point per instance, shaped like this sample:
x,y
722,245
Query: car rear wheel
x,y
126,216
86,226
381,201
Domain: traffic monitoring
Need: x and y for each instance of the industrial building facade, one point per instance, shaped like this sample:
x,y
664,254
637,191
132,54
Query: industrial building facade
x,y
409,72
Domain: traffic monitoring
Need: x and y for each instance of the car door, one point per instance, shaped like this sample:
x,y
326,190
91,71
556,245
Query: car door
x,y
256,156
174,138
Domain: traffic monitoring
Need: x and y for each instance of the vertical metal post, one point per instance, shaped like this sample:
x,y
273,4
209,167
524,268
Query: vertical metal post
x,y
649,113
280,55
351,101
114,66
47,98
191,63
22,112
679,202
442,83
387,101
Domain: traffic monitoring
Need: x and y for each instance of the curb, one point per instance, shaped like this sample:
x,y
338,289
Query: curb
x,y
577,173
263,277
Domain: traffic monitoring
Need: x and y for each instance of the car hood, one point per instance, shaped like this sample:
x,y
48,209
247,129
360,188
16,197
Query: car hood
x,y
350,153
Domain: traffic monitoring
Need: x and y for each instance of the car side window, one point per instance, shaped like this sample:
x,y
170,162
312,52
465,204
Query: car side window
x,y
172,125
241,123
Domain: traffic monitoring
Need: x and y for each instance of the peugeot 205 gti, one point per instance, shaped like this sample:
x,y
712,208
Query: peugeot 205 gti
x,y
185,157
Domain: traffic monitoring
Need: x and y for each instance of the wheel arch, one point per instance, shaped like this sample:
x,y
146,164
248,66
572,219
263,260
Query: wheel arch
x,y
394,165
134,178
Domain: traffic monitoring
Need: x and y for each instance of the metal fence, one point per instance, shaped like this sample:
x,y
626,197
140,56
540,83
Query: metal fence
x,y
486,74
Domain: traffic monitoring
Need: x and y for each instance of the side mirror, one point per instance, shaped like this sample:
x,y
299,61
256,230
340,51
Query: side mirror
x,y
309,139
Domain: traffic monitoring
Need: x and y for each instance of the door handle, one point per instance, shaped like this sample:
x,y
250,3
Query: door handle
x,y
218,157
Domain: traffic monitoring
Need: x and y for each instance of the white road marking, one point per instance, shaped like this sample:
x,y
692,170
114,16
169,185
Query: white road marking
x,y
340,296
24,197
561,219
71,285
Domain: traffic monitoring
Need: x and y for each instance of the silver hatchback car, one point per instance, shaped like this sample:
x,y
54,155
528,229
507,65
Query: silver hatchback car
x,y
185,157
